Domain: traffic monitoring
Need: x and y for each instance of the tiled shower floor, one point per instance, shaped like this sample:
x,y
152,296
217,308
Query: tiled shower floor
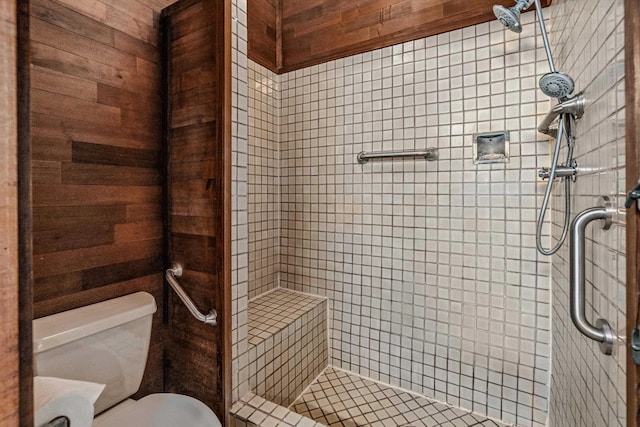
x,y
338,398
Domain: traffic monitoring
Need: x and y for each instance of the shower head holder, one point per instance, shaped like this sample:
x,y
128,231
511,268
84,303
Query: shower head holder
x,y
574,106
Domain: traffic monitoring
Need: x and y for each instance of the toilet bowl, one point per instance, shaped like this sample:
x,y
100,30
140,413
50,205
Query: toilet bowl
x,y
108,343
159,410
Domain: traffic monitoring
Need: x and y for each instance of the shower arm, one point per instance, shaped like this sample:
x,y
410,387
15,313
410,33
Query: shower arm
x,y
574,106
545,37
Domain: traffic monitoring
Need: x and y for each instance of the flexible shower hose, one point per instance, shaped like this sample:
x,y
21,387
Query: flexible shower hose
x,y
547,195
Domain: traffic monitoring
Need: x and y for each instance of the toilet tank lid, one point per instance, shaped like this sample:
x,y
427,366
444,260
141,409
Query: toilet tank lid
x,y
62,328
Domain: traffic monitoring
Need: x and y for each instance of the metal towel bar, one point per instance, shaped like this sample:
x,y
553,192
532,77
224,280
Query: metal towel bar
x,y
601,332
429,154
176,271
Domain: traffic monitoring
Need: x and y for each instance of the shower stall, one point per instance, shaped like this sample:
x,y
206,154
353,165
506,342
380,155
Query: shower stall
x,y
430,271
369,229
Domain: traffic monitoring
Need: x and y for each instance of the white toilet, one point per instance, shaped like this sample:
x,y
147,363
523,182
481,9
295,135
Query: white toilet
x,y
108,343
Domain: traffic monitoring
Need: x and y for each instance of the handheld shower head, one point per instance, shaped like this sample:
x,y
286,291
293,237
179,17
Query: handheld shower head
x,y
510,17
556,85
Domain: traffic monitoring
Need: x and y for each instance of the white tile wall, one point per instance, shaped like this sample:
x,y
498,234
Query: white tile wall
x,y
239,232
264,179
588,388
430,268
433,279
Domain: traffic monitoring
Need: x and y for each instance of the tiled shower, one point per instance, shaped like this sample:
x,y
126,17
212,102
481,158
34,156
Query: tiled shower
x,y
591,48
429,270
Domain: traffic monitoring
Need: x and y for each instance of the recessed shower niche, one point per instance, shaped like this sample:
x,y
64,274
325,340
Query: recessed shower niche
x,y
491,147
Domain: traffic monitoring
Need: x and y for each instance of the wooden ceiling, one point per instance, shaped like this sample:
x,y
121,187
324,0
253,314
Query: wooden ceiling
x,y
286,35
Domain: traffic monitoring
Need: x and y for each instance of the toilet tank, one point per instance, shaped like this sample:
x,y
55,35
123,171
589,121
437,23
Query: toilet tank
x,y
106,343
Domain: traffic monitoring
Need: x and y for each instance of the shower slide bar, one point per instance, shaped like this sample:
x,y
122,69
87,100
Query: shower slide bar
x,y
601,332
428,154
175,272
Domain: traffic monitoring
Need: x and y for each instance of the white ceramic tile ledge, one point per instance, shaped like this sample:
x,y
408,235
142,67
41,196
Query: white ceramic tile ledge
x,y
254,411
287,343
274,311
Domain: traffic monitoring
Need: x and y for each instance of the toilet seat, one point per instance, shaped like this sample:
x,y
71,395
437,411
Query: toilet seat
x,y
159,410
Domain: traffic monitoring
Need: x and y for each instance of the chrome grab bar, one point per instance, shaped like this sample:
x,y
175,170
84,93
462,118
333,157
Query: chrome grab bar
x,y
176,271
429,154
574,106
601,332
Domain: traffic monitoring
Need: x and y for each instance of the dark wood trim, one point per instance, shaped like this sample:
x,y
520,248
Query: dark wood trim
x,y
279,58
632,112
25,250
176,7
165,36
264,32
9,290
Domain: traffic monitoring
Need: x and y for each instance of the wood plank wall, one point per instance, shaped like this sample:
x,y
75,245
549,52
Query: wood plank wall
x,y
25,241
263,19
9,349
632,155
198,185
317,31
96,117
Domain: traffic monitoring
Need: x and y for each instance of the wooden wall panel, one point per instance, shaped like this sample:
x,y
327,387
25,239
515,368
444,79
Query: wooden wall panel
x,y
316,31
263,19
9,350
632,157
25,252
97,157
198,187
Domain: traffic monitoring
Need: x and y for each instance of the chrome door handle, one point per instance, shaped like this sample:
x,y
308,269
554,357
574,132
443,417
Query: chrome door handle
x,y
601,332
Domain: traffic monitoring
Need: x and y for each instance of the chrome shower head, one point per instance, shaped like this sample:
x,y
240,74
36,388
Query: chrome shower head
x,y
553,84
556,85
510,18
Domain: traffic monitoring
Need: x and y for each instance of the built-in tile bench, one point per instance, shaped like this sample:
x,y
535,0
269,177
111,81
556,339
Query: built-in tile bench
x,y
255,411
288,346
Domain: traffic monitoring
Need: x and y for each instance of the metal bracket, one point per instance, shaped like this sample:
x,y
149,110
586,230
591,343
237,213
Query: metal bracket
x,y
633,196
635,346
570,171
